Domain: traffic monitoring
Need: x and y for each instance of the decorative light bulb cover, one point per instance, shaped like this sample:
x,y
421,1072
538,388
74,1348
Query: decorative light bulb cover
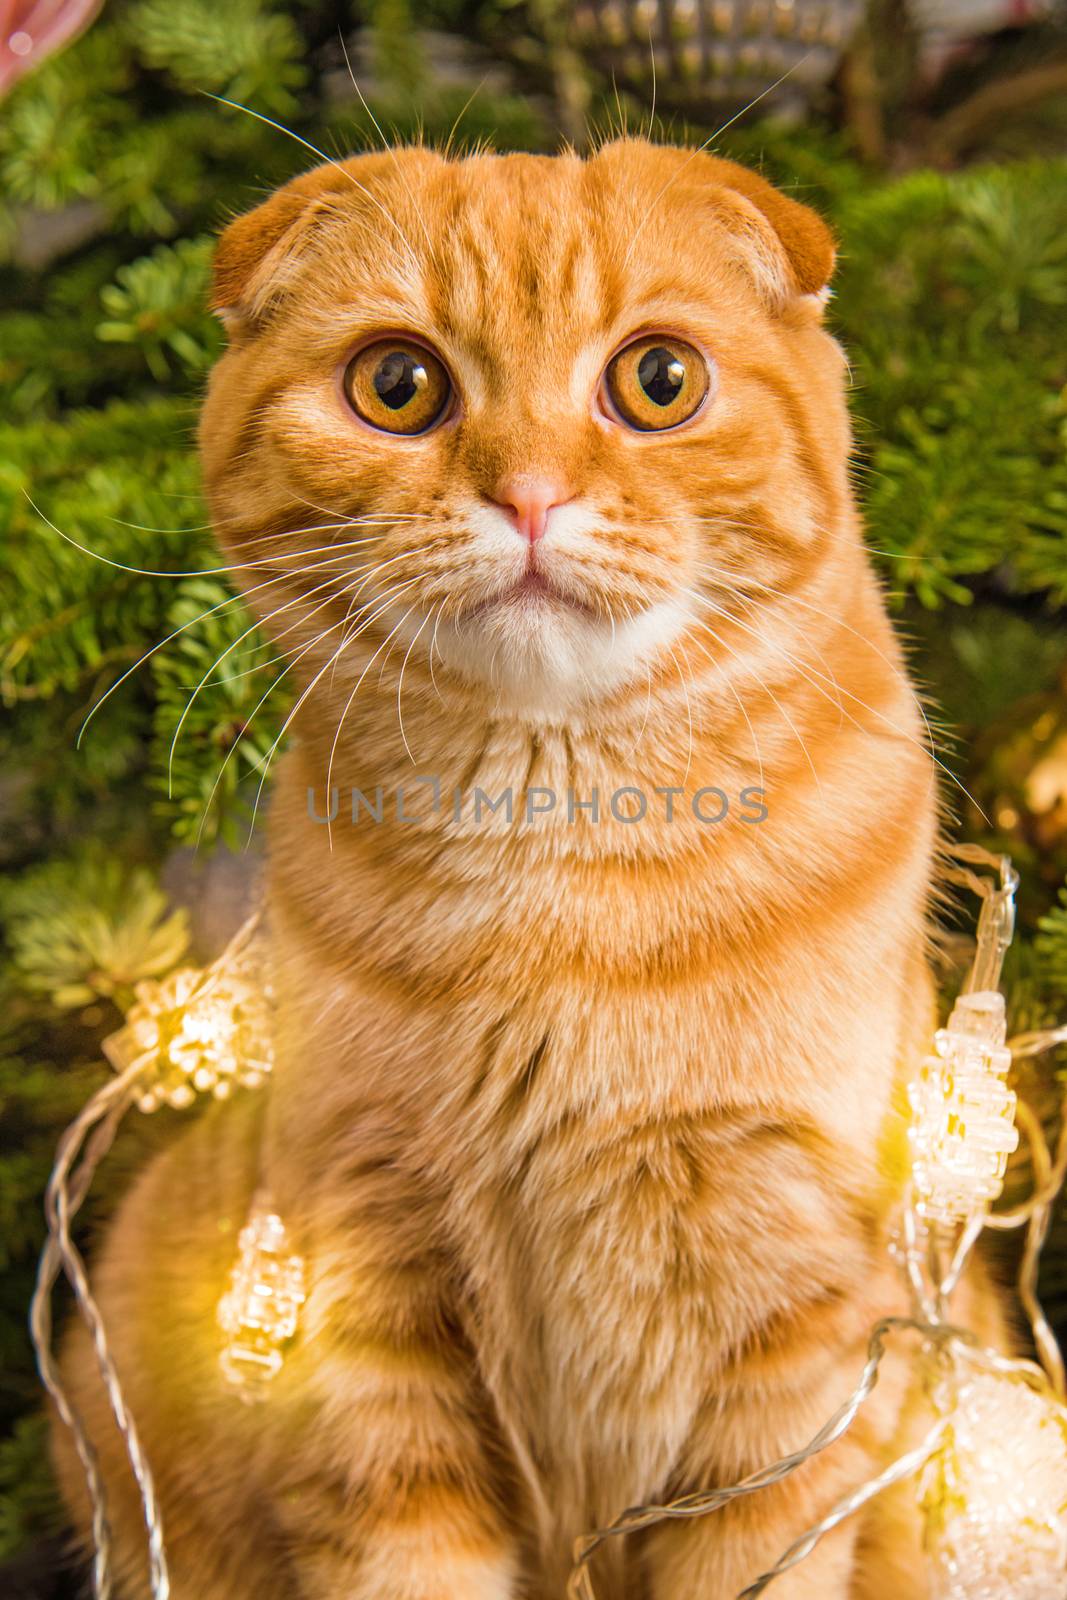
x,y
196,1031
995,1495
260,1310
963,1113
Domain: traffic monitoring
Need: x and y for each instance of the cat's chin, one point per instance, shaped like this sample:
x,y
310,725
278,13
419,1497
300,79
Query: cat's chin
x,y
537,652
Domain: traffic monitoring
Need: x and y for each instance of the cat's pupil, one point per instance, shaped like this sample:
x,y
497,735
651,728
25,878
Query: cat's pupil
x,y
661,375
398,379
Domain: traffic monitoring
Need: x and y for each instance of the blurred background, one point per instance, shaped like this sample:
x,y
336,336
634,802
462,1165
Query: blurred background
x,y
933,134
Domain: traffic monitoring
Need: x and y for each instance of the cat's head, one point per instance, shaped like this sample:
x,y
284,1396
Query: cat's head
x,y
532,414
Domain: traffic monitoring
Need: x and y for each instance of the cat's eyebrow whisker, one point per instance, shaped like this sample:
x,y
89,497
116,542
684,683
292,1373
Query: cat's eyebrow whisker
x,y
337,166
386,146
651,210
756,100
461,113
652,108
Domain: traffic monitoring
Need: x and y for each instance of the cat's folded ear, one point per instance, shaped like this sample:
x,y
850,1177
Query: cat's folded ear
x,y
789,247
257,254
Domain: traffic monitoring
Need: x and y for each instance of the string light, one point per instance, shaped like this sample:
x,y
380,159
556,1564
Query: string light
x,y
963,1128
260,1310
995,1493
196,1032
963,1113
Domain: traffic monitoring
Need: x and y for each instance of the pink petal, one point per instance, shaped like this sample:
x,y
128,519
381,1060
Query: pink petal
x,y
30,30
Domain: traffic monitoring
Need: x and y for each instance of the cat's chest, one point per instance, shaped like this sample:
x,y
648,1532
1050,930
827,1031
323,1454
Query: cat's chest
x,y
662,1159
621,1153
620,1266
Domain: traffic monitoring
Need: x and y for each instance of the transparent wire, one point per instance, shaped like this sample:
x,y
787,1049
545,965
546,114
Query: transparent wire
x,y
81,1149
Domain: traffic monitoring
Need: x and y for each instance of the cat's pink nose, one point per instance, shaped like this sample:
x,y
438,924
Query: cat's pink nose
x,y
529,499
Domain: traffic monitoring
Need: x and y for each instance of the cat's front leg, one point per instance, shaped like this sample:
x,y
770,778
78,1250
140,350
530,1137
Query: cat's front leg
x,y
414,1512
717,1558
770,1407
434,1542
397,1487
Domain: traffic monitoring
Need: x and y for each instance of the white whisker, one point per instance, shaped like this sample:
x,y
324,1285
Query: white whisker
x,y
688,712
400,686
349,702
302,697
768,691
300,599
433,646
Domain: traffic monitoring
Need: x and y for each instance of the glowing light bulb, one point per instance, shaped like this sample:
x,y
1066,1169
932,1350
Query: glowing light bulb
x,y
995,1496
196,1031
963,1114
261,1308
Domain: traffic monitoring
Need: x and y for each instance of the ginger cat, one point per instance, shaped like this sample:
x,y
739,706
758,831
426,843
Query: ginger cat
x,y
589,1126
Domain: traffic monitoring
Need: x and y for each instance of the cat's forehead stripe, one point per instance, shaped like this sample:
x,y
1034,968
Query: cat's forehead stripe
x,y
524,266
513,262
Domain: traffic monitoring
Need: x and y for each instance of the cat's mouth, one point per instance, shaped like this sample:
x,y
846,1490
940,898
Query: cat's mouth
x,y
532,592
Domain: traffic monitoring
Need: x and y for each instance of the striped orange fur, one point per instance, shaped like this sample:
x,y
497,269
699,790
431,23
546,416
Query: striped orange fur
x,y
590,1130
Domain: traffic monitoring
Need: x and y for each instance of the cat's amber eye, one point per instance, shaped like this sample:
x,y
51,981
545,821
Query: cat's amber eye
x,y
657,382
398,386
